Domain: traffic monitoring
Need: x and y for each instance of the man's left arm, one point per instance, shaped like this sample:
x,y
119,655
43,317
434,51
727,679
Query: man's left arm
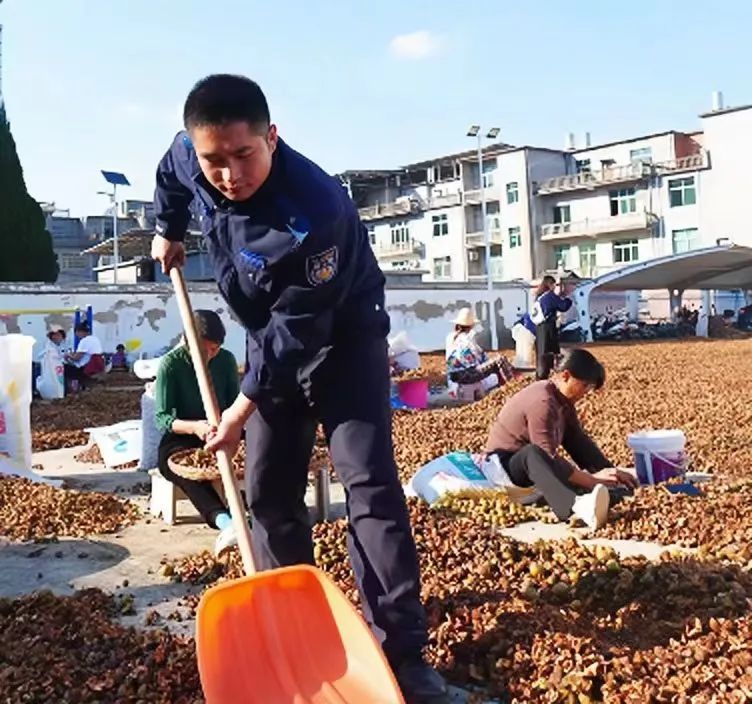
x,y
582,448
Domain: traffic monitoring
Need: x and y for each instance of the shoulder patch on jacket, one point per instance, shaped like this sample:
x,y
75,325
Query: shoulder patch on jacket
x,y
322,267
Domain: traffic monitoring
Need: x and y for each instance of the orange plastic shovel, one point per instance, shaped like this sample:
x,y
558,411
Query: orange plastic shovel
x,y
285,636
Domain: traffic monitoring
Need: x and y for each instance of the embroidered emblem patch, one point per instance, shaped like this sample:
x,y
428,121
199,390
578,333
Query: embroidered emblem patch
x,y
322,267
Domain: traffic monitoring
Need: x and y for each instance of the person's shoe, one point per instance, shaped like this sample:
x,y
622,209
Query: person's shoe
x,y
592,508
420,683
226,539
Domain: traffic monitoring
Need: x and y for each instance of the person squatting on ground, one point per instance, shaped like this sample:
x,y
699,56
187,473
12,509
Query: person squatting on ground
x,y
541,419
180,416
294,263
85,362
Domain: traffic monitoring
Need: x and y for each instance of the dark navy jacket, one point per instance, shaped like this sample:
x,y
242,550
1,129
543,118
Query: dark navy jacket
x,y
293,262
550,303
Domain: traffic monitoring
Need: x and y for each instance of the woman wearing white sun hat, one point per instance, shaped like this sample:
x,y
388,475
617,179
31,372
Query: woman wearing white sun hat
x,y
468,365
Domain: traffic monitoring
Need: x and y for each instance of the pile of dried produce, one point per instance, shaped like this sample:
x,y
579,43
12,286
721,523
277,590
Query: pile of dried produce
x,y
30,511
56,424
719,520
552,621
410,375
69,649
92,455
491,508
201,459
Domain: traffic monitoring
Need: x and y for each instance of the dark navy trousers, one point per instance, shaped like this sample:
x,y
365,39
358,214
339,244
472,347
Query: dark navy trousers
x,y
349,395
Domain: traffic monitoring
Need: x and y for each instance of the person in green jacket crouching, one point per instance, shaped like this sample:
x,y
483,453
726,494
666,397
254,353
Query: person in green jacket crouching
x,y
180,416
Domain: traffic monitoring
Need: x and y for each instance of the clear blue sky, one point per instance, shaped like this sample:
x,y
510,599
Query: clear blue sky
x,y
92,84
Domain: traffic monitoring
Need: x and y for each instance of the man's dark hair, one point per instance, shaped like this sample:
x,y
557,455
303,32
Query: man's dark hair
x,y
83,327
544,285
209,326
223,98
582,365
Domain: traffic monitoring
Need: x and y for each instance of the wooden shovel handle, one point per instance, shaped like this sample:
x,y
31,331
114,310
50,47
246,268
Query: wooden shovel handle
x,y
213,416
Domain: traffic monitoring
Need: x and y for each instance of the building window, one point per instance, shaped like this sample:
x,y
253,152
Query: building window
x,y
401,265
515,238
587,260
489,168
73,261
626,251
442,268
582,166
513,192
400,232
372,235
681,191
623,201
562,214
642,155
440,225
561,255
684,240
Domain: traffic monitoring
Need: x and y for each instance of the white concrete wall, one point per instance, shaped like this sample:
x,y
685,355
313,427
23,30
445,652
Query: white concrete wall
x,y
513,168
725,208
145,318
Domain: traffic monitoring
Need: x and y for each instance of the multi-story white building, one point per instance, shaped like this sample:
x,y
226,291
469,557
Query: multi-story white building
x,y
589,209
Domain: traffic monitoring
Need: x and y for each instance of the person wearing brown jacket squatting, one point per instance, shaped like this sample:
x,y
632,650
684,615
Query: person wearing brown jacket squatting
x,y
540,420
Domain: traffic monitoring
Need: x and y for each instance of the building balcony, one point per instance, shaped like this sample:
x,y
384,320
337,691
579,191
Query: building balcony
x,y
693,162
475,196
444,201
477,238
593,227
408,206
590,180
412,249
386,210
477,270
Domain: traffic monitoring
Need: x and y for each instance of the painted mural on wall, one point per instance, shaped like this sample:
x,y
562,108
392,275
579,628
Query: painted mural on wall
x,y
146,319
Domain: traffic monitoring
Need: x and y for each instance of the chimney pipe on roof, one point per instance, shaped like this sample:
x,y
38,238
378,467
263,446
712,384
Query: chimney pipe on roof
x,y
569,143
587,139
717,100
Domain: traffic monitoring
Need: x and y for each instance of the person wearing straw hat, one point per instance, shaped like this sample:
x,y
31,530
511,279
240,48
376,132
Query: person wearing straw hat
x,y
180,416
293,261
468,365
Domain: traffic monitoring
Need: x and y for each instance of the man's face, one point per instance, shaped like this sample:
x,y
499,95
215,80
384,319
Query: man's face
x,y
211,349
575,389
235,158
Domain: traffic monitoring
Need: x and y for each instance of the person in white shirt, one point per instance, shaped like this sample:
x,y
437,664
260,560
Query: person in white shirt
x,y
86,361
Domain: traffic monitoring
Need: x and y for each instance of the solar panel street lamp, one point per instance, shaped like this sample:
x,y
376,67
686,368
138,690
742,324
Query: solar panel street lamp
x,y
475,131
115,179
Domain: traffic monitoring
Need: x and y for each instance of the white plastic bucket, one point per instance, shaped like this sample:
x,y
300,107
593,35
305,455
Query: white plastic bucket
x,y
524,357
15,399
659,454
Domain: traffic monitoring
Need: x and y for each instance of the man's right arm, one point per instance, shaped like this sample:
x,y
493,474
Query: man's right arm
x,y
172,200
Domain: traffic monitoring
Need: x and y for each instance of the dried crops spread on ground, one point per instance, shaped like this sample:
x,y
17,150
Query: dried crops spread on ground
x,y
561,622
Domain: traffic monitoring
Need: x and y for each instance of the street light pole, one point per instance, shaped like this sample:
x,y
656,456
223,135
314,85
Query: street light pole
x,y
115,179
115,249
474,131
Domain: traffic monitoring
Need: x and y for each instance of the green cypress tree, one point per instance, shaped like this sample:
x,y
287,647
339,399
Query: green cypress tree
x,y
26,252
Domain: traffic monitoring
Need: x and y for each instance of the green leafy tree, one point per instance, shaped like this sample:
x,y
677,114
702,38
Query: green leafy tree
x,y
26,252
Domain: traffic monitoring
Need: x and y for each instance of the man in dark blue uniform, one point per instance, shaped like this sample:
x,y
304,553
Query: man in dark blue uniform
x,y
294,264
